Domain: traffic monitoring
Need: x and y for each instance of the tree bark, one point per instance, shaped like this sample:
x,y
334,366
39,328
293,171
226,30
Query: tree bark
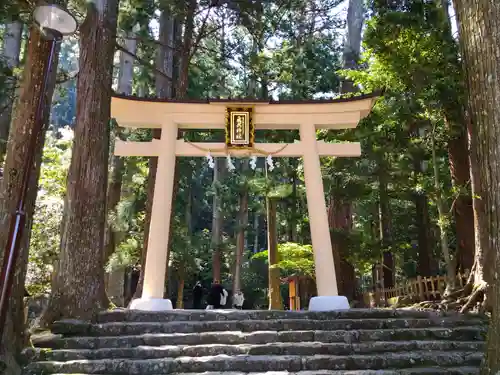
x,y
187,49
275,301
78,290
479,27
180,292
340,219
462,209
292,221
385,225
11,49
443,224
424,262
22,125
164,89
116,278
240,234
150,190
453,106
217,220
352,46
345,272
181,64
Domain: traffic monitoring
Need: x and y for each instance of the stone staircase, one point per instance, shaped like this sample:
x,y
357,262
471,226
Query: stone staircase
x,y
357,341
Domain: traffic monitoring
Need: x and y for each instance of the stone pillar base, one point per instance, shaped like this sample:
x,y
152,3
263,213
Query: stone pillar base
x,y
328,303
151,304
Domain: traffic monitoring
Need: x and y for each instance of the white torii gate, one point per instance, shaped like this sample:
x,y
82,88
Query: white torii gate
x,y
171,115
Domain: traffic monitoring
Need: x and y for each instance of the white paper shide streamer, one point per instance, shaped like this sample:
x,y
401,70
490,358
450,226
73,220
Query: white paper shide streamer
x,y
210,161
230,165
270,162
253,162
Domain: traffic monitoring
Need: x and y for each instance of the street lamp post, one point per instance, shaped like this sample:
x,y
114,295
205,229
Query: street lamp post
x,y
54,23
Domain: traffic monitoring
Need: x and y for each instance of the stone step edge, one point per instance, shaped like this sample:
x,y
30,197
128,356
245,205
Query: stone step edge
x,y
258,358
189,315
395,346
56,341
404,371
279,343
75,328
420,329
78,324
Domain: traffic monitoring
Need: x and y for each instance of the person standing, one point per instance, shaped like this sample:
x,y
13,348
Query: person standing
x,y
238,300
197,295
215,296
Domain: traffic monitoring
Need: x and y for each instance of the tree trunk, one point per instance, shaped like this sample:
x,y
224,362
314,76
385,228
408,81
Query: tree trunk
x,y
275,302
78,291
352,45
479,27
187,49
292,221
165,56
180,292
424,263
462,209
340,219
345,272
189,207
11,49
164,88
22,125
385,225
216,221
116,279
181,79
240,234
457,152
256,232
443,224
150,190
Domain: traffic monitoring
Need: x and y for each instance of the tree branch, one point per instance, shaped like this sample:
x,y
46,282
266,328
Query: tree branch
x,y
142,61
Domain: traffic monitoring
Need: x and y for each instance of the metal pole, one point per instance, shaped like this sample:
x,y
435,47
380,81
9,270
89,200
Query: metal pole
x,y
18,219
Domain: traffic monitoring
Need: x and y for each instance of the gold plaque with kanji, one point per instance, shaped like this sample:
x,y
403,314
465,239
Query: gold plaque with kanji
x,y
239,127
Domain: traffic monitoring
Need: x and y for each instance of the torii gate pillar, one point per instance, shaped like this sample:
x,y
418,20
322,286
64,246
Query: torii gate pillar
x,y
156,256
326,280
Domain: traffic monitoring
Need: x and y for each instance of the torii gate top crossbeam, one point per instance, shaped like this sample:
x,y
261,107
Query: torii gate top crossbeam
x,y
342,113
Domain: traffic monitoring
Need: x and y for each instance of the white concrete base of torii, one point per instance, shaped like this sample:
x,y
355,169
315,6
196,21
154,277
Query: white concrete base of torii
x,y
171,116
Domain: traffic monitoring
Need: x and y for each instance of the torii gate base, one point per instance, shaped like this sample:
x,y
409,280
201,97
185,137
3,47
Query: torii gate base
x,y
307,117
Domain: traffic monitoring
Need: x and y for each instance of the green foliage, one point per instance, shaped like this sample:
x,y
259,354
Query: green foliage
x,y
45,233
288,50
294,259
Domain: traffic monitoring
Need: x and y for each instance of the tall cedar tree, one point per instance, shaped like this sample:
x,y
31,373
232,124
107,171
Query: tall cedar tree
x,y
37,54
479,26
11,49
114,282
78,289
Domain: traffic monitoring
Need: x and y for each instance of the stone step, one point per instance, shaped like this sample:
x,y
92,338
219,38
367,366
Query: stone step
x,y
408,371
475,333
71,327
300,349
257,363
123,315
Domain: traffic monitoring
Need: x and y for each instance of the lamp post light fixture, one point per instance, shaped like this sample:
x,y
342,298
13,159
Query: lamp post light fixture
x,y
54,23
